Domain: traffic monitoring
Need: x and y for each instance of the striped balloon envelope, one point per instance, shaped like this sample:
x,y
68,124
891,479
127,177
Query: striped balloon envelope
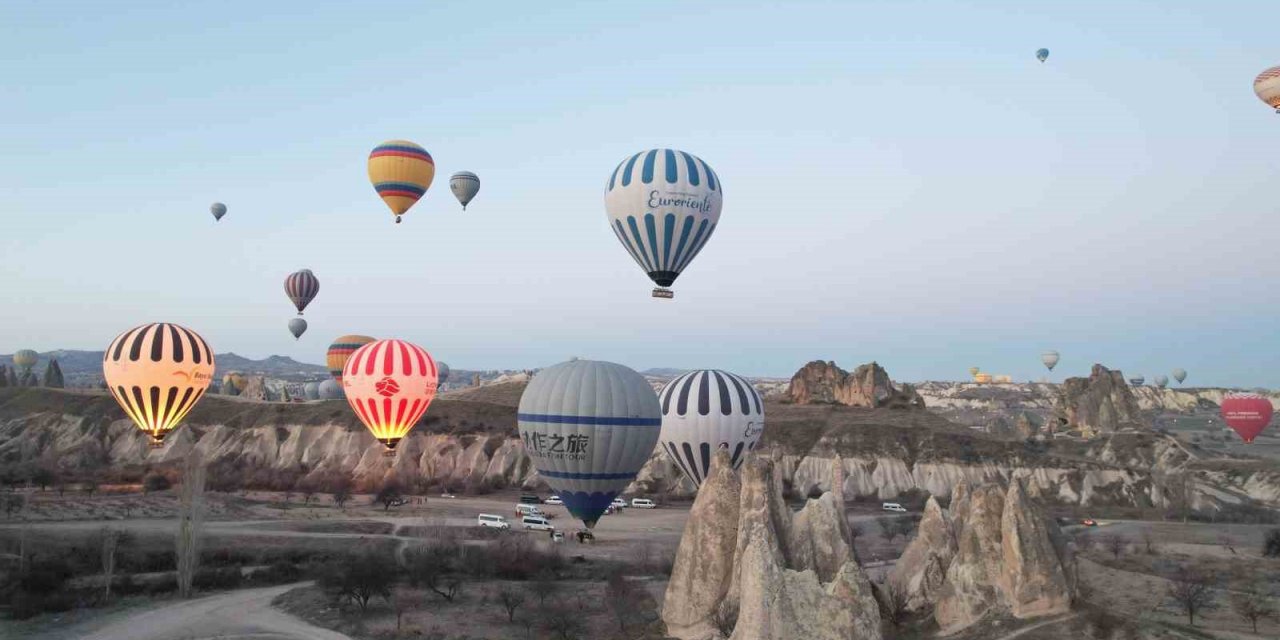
x,y
1267,87
157,373
341,350
390,384
401,172
25,359
464,185
663,205
589,427
302,287
704,410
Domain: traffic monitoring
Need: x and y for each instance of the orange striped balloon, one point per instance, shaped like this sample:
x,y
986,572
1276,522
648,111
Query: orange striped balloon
x,y
389,384
158,372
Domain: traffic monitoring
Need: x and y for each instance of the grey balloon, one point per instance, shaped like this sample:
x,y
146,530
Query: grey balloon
x,y
311,390
442,372
297,326
218,210
1179,375
1162,381
464,185
330,390
1137,381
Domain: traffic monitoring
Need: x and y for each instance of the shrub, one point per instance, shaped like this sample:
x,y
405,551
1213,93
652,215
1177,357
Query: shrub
x,y
155,482
1271,544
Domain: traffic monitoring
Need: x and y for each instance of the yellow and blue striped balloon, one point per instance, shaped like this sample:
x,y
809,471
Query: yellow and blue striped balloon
x,y
401,173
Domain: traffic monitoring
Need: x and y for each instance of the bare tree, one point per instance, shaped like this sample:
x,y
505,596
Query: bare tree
x,y
544,585
12,503
623,599
341,489
403,600
1149,541
1192,592
389,495
888,528
110,542
855,531
190,523
893,602
431,566
1115,543
1253,605
510,599
563,620
1177,490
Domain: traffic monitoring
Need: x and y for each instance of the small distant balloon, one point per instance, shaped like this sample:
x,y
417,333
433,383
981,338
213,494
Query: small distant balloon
x,y
311,390
1050,359
341,350
218,210
1042,55
464,185
301,287
1162,381
973,371
297,326
1179,375
1267,87
330,390
1247,413
1137,381
25,359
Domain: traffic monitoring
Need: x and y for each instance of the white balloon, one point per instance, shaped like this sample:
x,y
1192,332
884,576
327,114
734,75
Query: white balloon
x,y
1050,359
464,185
706,409
589,427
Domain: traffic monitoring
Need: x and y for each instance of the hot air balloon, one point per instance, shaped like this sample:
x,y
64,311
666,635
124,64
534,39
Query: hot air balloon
x,y
1162,381
464,185
442,372
1179,375
297,326
1267,86
218,210
233,383
663,205
973,371
330,390
24,359
158,372
1137,381
389,384
401,173
340,350
704,410
589,427
1050,359
1042,55
302,287
1247,413
311,390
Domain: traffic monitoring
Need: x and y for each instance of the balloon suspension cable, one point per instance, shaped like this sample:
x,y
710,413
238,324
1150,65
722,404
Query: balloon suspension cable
x,y
660,292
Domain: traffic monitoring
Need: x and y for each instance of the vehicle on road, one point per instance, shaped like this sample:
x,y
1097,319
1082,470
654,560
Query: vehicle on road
x,y
530,510
554,500
537,523
447,495
643,503
893,506
493,521
618,503
529,498
1089,522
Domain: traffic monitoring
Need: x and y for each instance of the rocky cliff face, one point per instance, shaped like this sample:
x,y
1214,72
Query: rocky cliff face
x,y
1006,562
748,563
868,386
1101,403
922,569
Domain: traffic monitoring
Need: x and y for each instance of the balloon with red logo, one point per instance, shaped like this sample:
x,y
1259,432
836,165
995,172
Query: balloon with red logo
x,y
389,384
1247,413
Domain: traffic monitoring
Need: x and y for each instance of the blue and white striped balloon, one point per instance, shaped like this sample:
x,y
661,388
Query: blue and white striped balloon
x,y
589,427
663,205
704,410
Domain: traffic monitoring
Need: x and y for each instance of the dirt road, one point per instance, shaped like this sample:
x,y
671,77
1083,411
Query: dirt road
x,y
231,616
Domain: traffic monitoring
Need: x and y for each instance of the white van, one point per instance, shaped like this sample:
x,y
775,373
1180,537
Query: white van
x,y
554,500
619,503
893,506
490,520
643,503
529,510
537,523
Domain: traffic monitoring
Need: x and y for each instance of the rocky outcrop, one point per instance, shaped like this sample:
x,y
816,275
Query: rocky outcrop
x,y
920,572
1100,404
1009,560
868,386
255,388
783,576
53,375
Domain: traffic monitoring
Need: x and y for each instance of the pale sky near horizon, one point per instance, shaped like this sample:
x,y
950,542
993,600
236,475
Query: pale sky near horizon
x,y
904,182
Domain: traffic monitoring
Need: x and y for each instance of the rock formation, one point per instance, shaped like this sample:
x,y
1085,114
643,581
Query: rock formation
x,y
746,558
1006,562
1102,403
13,378
868,386
255,388
920,572
4,376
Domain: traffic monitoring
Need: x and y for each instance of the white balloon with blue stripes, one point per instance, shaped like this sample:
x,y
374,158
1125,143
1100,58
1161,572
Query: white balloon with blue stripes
x,y
663,205
589,427
705,410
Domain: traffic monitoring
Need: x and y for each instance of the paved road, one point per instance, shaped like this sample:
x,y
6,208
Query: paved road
x,y
238,615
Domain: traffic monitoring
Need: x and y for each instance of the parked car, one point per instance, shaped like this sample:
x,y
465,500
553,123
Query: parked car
x,y
618,503
893,506
530,510
554,500
447,495
643,503
493,521
1089,522
529,498
537,523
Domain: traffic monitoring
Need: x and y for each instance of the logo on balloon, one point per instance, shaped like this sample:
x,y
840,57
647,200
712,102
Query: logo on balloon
x,y
677,199
387,387
752,430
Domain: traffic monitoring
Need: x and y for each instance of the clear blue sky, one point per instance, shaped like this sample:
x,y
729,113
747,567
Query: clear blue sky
x,y
904,182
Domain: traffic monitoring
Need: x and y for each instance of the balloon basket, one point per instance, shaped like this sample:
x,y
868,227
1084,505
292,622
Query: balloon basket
x,y
389,453
660,292
155,444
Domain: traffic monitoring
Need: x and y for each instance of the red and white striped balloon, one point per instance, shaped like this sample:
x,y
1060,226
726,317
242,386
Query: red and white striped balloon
x,y
390,384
